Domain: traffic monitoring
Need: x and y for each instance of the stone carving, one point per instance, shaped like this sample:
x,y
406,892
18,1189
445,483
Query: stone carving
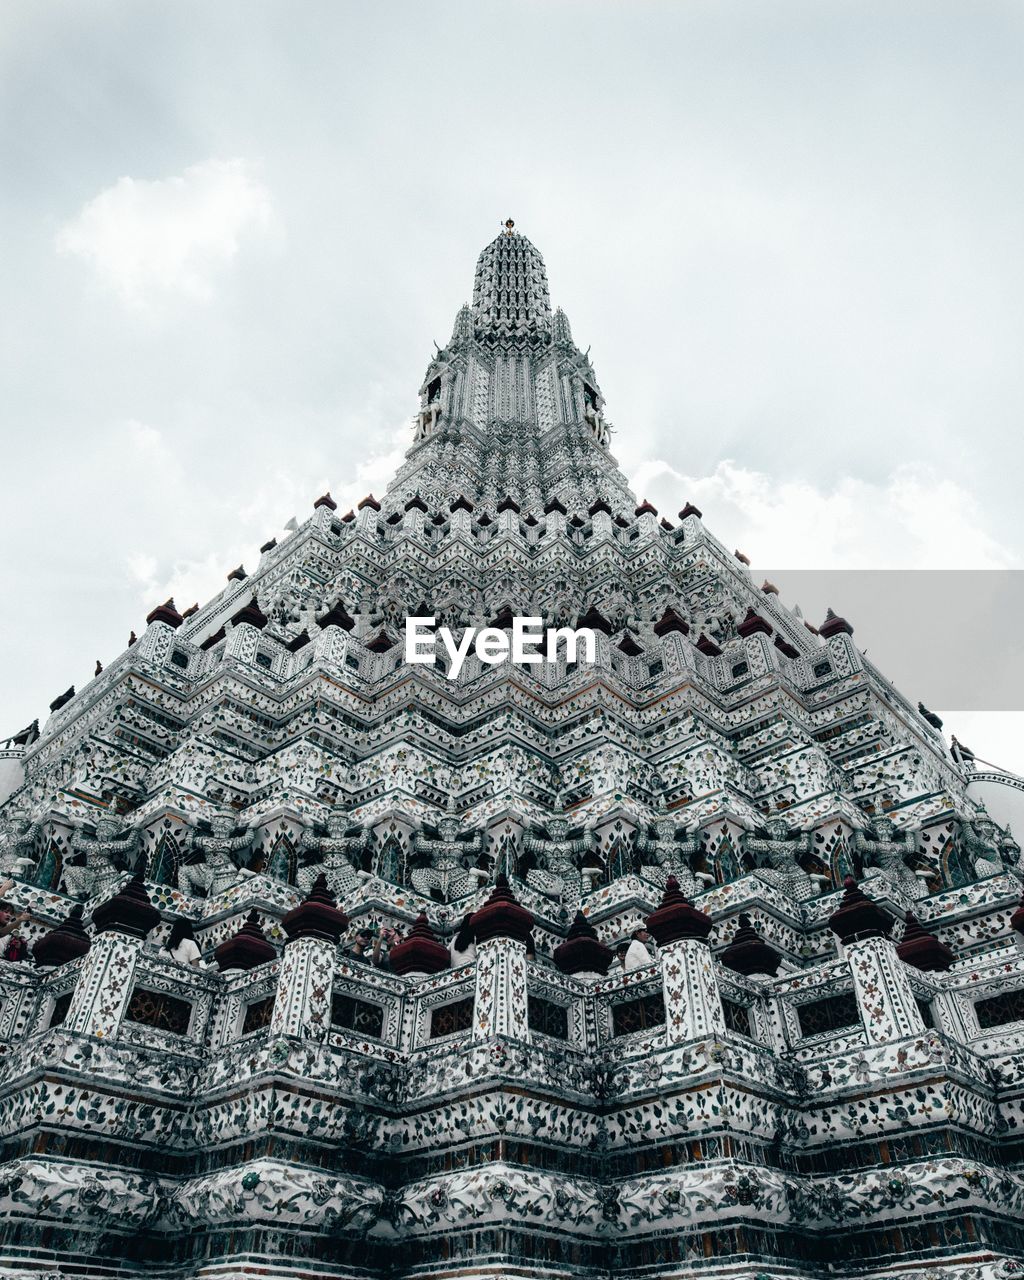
x,y
17,847
672,857
777,857
336,855
220,851
447,876
106,857
989,850
885,858
562,874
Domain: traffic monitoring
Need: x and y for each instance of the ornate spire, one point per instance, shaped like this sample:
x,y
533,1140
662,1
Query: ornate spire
x,y
510,290
511,408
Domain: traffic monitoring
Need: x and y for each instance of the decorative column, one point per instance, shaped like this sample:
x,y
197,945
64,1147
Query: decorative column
x,y
305,984
367,513
761,653
693,1005
500,929
750,955
107,978
508,517
921,948
887,1004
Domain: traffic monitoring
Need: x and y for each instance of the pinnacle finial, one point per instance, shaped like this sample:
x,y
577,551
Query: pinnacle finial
x,y
509,226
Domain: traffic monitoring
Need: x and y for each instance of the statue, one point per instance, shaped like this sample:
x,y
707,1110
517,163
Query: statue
x,y
447,876
219,868
561,874
1010,851
985,845
336,855
671,856
780,851
885,858
17,847
106,858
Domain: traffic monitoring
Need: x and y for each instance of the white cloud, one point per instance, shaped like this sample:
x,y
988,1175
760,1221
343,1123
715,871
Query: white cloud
x,y
152,240
915,519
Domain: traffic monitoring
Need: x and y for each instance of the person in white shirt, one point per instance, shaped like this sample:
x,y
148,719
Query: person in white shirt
x,y
181,945
637,954
462,948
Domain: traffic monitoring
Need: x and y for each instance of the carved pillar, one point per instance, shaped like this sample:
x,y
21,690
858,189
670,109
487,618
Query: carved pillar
x,y
500,1008
107,977
677,654
886,1001
601,524
693,1005
888,1008
104,986
500,929
305,984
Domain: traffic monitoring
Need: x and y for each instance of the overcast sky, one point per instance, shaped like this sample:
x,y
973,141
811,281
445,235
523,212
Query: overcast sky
x,y
231,231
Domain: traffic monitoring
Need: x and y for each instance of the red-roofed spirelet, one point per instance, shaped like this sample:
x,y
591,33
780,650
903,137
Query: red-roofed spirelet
x,y
595,621
834,626
165,612
671,621
754,624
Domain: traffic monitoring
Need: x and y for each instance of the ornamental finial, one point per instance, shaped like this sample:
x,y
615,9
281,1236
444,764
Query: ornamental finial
x,y
509,225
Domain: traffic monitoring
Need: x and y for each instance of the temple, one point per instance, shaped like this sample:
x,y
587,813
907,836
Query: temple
x,y
699,959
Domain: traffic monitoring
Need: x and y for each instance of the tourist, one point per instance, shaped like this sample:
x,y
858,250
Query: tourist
x,y
10,924
636,952
462,948
181,945
368,946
